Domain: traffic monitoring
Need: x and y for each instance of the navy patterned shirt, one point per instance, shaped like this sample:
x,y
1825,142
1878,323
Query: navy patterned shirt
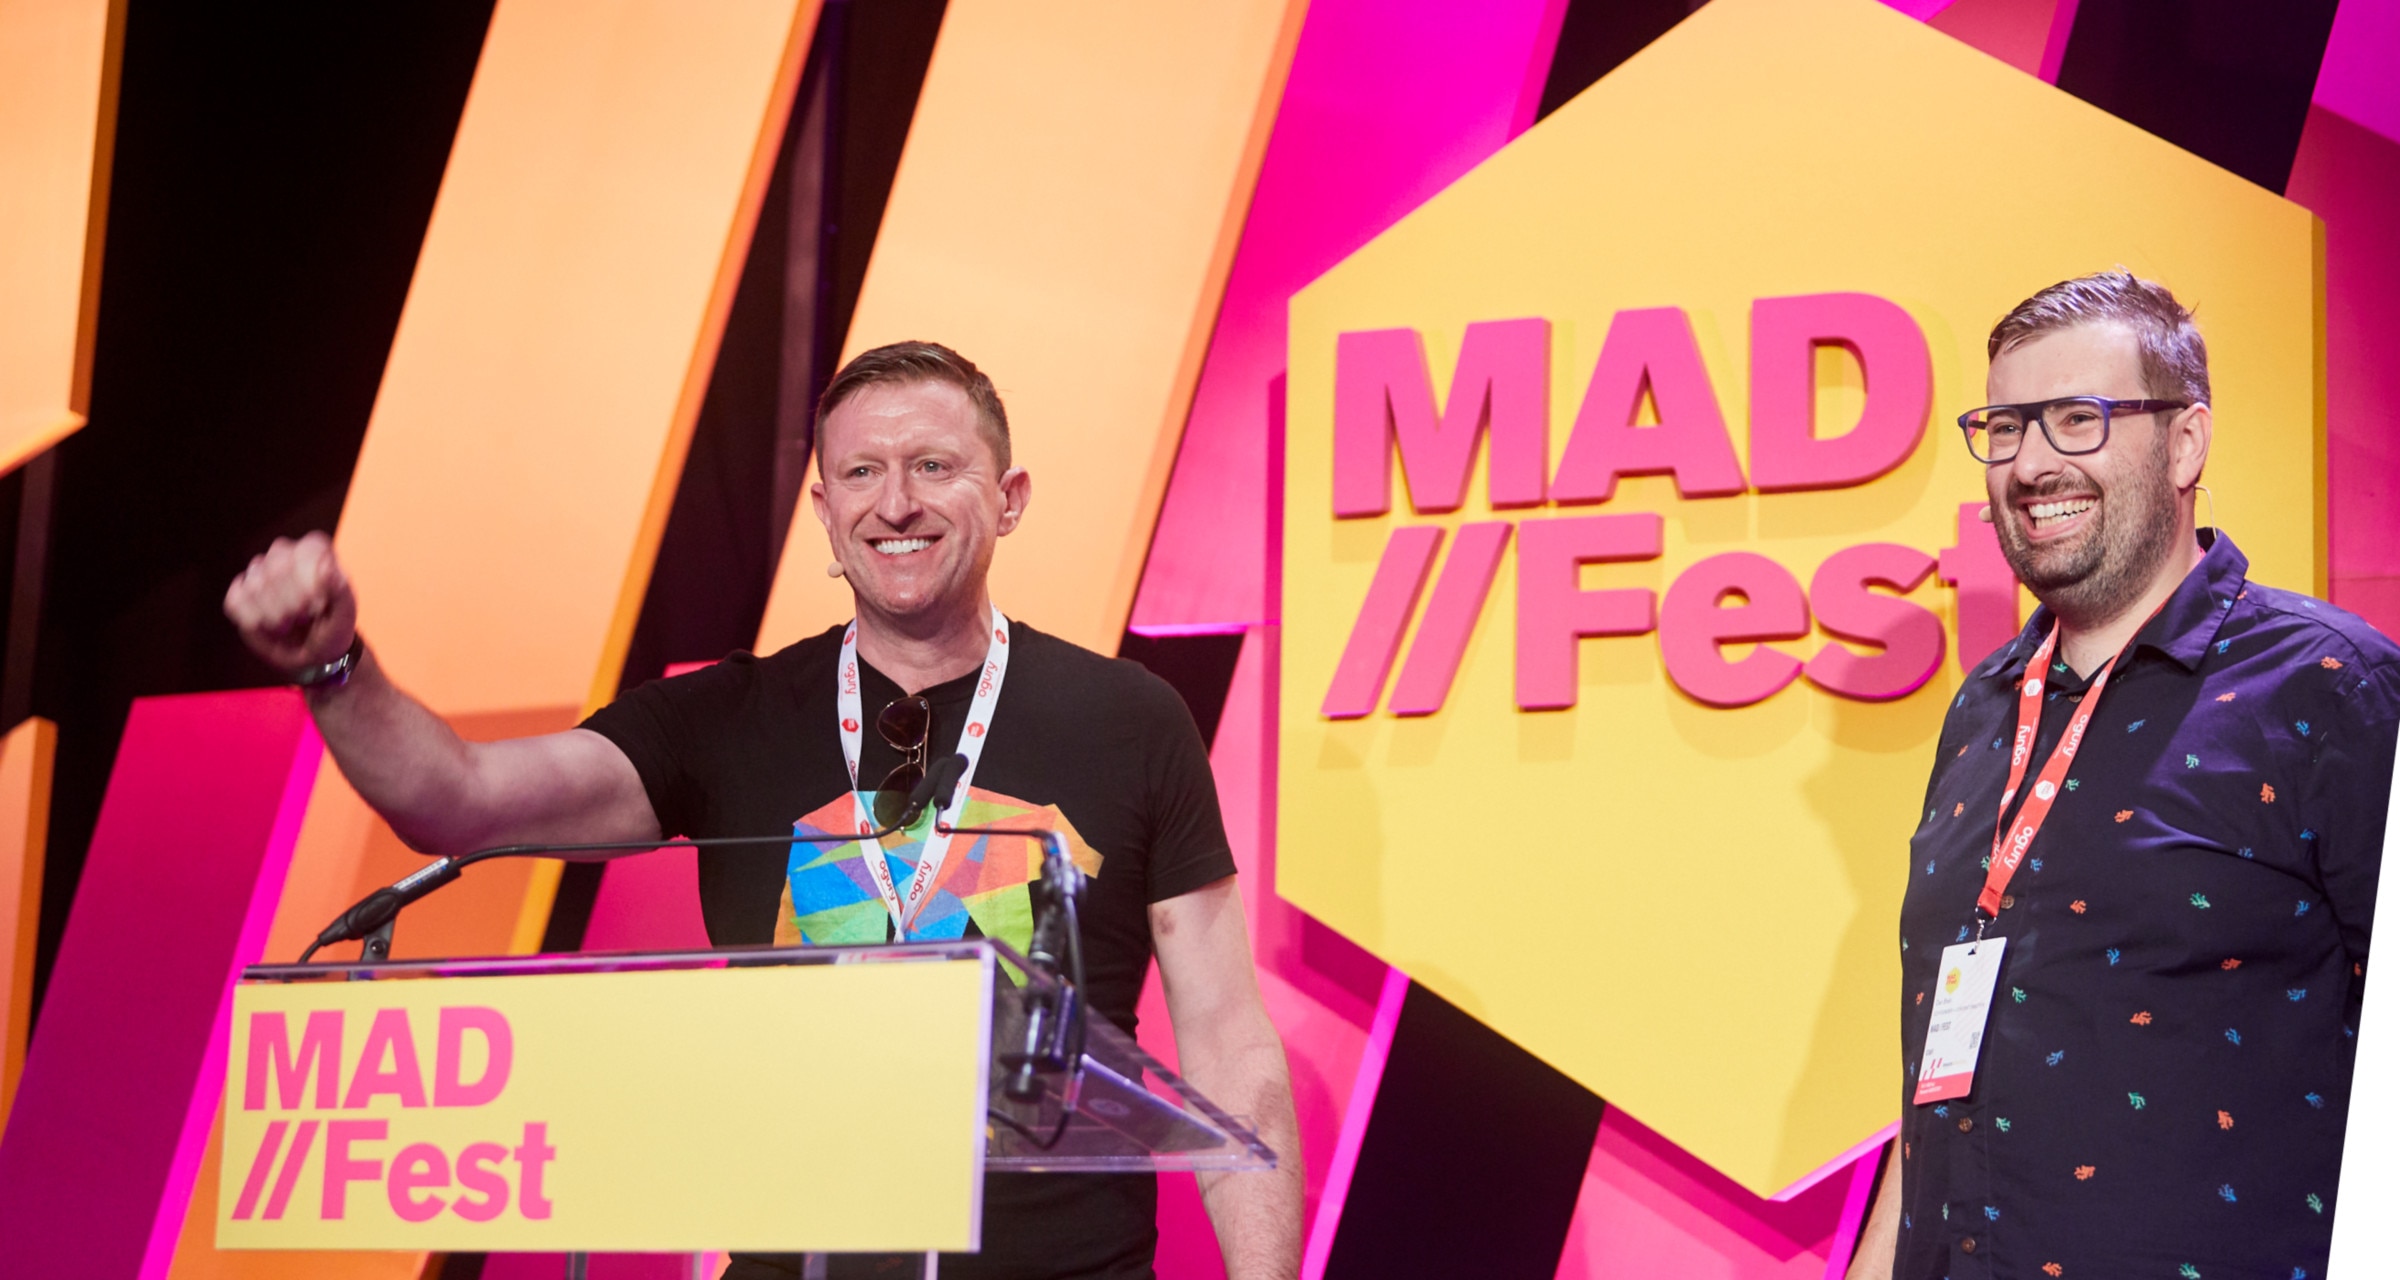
x,y
2166,1069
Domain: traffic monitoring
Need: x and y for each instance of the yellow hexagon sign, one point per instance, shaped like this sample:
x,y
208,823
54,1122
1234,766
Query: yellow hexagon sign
x,y
1625,573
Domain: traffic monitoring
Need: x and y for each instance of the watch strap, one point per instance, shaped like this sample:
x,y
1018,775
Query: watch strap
x,y
334,674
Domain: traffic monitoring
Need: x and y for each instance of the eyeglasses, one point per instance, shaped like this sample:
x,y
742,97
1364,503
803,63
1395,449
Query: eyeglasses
x,y
907,726
2072,424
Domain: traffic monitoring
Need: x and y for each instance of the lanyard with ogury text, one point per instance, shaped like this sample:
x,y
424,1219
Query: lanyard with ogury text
x,y
2010,840
1970,971
904,905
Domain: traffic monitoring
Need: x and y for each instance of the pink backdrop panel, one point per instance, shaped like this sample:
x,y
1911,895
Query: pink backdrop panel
x,y
2357,77
2350,175
1319,989
1386,104
648,902
1650,1209
122,1079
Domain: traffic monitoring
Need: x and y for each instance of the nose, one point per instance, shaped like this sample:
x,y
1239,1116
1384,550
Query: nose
x,y
2036,460
895,500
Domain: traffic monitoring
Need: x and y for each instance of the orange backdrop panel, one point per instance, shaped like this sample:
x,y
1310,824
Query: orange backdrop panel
x,y
533,418
1064,214
57,107
557,338
25,759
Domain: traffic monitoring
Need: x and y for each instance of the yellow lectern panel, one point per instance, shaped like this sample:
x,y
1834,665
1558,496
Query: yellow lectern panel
x,y
833,1107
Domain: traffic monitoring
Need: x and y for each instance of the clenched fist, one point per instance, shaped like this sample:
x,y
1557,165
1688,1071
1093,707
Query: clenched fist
x,y
293,606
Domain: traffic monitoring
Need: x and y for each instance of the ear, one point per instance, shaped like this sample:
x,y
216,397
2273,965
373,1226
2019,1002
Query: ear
x,y
2188,436
1016,493
816,500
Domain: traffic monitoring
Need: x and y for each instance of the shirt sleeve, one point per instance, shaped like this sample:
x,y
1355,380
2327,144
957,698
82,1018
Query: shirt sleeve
x,y
2350,788
1188,849
663,727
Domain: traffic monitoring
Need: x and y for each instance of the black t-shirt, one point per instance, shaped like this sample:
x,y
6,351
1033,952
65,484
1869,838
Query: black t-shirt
x,y
1097,747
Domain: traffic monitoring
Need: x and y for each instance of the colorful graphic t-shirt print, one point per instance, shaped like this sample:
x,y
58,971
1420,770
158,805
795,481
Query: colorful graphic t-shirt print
x,y
830,900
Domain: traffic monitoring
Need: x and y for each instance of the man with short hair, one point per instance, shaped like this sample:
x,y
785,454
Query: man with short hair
x,y
915,489
2135,934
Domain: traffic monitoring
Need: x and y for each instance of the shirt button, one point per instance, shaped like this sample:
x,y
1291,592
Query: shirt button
x,y
1966,1124
2007,900
1968,1244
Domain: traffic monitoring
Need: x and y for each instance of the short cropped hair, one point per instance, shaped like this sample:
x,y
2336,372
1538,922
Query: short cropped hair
x,y
901,363
2174,359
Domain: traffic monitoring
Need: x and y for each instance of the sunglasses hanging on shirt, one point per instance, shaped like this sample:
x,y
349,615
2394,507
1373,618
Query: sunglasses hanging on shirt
x,y
907,727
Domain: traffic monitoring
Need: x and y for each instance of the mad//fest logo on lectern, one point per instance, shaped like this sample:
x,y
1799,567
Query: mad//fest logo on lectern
x,y
319,1094
1630,560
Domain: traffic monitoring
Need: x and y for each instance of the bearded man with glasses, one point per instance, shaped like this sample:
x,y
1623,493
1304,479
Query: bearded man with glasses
x,y
829,736
2135,935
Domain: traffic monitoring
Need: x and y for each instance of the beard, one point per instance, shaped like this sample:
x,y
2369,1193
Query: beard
x,y
2106,566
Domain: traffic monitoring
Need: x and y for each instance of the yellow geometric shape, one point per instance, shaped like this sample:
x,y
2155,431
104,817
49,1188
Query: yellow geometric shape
x,y
1692,910
1064,215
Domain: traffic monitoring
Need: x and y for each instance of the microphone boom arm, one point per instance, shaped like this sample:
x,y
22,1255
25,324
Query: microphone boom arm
x,y
372,917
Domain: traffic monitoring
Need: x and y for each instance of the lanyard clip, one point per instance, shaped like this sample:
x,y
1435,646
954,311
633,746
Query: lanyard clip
x,y
1981,922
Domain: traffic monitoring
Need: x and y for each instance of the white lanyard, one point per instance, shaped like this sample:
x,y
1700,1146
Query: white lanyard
x,y
904,908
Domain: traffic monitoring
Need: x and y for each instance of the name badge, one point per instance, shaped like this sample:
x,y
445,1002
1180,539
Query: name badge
x,y
1962,1004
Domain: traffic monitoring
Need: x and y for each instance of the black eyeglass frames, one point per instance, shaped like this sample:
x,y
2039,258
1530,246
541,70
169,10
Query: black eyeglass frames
x,y
2072,424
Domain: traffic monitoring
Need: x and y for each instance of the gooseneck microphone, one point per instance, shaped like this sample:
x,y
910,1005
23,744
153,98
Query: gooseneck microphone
x,y
1054,1015
374,914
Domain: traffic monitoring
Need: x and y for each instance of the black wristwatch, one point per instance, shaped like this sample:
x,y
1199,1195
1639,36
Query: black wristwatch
x,y
334,674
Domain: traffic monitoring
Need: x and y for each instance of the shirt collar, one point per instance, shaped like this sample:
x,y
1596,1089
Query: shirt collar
x,y
2183,627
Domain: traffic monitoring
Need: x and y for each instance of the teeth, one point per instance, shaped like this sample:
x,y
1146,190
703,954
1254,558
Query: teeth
x,y
2046,513
902,546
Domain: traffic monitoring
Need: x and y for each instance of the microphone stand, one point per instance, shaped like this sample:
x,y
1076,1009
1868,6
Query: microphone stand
x,y
373,916
1054,1014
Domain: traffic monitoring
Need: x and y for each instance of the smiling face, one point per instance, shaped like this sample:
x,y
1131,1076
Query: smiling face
x,y
2092,533
913,499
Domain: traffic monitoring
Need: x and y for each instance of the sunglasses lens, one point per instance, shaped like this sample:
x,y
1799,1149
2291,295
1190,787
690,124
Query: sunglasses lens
x,y
892,797
906,723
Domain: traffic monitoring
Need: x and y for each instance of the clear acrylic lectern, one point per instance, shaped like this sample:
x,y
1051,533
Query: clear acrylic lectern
x,y
555,1054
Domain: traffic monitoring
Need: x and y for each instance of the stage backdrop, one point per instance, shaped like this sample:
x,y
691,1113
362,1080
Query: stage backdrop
x,y
1630,554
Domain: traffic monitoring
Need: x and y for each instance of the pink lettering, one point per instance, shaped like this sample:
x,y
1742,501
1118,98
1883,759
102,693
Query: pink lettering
x,y
1648,352
1450,616
1383,395
340,1169
256,1183
1987,588
271,1043
531,1155
289,1178
1786,451
388,1037
1695,622
450,1088
1910,637
420,1166
477,1173
1375,637
1553,609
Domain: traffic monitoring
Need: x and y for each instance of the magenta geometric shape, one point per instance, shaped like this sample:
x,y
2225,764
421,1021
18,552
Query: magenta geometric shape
x,y
1387,102
128,1061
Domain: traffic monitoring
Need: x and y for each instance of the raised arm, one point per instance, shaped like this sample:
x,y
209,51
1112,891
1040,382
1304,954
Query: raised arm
x,y
1230,1052
441,793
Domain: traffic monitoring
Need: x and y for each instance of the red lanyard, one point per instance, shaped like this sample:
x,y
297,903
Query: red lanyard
x,y
2010,843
